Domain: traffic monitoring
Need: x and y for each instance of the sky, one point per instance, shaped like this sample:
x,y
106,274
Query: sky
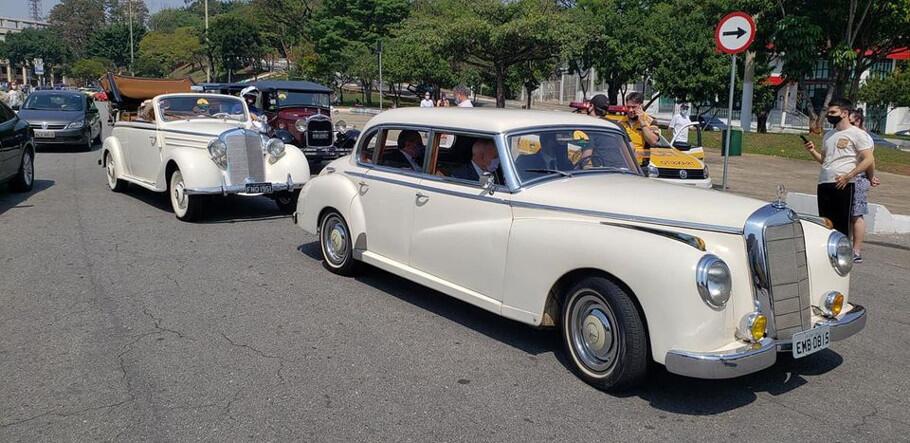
x,y
20,8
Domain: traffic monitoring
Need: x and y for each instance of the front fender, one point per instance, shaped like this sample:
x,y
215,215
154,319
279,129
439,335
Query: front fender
x,y
822,276
331,190
660,272
111,146
293,162
198,169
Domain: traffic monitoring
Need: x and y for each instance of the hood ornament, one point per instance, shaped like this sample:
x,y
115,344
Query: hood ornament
x,y
781,197
43,125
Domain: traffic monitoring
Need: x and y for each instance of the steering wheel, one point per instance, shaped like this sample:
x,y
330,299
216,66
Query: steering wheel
x,y
221,115
592,161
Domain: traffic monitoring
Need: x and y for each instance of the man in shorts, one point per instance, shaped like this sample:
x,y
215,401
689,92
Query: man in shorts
x,y
864,181
847,152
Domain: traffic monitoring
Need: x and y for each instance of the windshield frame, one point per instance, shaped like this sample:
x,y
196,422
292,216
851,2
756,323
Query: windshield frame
x,y
37,94
159,114
507,136
279,104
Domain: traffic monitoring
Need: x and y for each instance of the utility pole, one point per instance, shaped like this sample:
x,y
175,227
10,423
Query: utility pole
x,y
131,36
208,64
379,49
35,9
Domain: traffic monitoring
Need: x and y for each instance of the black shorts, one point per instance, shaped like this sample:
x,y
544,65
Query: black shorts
x,y
836,205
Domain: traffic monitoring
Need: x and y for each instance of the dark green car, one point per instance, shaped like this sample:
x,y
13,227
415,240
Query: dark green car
x,y
17,151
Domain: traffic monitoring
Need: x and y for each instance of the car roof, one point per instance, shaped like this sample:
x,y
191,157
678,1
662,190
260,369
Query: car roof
x,y
57,92
492,120
291,85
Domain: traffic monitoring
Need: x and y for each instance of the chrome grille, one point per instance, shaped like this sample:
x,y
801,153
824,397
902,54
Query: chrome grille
x,y
246,160
788,278
49,126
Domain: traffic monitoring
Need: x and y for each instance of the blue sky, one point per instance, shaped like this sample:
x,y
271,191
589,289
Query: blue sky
x,y
20,8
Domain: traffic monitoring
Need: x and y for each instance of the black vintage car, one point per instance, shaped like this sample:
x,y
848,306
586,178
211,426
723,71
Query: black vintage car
x,y
17,151
300,112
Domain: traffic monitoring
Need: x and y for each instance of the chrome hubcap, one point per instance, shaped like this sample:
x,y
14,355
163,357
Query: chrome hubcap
x,y
179,191
335,240
593,332
111,176
28,170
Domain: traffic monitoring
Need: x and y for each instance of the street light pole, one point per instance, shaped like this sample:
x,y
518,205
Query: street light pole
x,y
131,37
380,74
208,65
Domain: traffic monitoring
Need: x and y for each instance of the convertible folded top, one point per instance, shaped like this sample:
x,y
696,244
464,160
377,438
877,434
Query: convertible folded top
x,y
127,93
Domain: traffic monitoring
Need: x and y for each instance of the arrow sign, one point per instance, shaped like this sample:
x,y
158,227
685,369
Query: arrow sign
x,y
734,33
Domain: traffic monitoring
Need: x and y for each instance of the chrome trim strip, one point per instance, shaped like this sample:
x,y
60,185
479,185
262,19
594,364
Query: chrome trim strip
x,y
726,364
634,218
239,189
691,240
813,219
484,196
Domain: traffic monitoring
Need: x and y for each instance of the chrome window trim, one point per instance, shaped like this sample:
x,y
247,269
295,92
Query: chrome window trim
x,y
754,234
634,218
691,240
481,197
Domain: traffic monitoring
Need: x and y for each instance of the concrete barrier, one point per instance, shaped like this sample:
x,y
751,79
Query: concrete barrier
x,y
879,220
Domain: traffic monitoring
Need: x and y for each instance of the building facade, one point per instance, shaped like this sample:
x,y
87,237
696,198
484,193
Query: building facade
x,y
9,25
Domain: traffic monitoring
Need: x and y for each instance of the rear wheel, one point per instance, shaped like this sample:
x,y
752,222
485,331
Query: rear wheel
x,y
336,245
603,334
287,201
186,207
25,178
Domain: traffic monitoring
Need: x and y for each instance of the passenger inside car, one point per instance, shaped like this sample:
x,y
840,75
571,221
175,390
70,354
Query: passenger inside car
x,y
409,152
484,158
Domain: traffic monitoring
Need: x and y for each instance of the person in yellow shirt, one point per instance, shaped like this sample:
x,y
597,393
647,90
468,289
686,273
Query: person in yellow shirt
x,y
641,127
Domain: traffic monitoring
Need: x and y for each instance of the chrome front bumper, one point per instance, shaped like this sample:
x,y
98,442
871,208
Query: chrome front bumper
x,y
754,357
226,189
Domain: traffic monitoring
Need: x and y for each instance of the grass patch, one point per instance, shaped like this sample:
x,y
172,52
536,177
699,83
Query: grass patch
x,y
790,146
350,97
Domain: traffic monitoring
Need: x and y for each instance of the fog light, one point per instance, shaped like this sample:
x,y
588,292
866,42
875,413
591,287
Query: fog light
x,y
834,304
753,327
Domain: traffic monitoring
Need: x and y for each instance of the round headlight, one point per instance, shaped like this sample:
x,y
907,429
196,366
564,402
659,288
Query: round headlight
x,y
840,252
753,327
300,125
341,126
652,170
275,147
713,279
218,152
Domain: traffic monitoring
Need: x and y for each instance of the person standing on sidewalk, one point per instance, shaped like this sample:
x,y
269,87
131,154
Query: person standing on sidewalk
x,y
864,181
427,101
846,153
463,97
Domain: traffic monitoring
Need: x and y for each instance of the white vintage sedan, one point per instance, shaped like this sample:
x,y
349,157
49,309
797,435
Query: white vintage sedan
x,y
572,235
198,145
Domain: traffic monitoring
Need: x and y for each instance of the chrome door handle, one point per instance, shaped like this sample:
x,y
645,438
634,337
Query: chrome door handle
x,y
364,186
422,196
152,140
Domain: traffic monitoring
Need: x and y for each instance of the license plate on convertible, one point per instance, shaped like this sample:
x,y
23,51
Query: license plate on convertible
x,y
258,188
811,341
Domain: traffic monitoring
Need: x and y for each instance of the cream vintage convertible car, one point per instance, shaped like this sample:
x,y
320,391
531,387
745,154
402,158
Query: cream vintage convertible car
x,y
630,270
198,145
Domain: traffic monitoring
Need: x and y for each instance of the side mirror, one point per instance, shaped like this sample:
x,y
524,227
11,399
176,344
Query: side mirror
x,y
285,136
487,182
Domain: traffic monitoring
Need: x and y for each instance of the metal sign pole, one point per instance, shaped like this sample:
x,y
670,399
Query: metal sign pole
x,y
726,147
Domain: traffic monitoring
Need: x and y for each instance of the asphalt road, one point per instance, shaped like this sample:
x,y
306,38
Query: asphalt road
x,y
119,322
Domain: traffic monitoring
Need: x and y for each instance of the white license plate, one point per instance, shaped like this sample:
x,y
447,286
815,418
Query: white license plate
x,y
811,341
259,188
44,134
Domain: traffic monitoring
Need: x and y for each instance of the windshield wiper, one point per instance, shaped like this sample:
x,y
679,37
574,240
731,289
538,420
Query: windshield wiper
x,y
608,169
551,171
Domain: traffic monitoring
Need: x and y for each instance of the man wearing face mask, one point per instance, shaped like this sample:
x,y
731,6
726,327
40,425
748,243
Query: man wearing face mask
x,y
847,152
678,122
484,158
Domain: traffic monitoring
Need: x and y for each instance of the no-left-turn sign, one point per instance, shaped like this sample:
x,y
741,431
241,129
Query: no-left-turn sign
x,y
734,33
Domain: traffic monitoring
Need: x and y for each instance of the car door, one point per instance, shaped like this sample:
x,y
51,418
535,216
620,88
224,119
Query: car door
x,y
388,192
460,231
10,143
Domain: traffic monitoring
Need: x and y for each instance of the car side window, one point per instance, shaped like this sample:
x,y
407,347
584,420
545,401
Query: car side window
x,y
367,150
6,114
403,149
464,158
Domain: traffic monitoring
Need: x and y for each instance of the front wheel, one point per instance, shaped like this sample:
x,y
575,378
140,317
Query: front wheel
x,y
603,335
113,182
336,244
287,201
25,178
186,207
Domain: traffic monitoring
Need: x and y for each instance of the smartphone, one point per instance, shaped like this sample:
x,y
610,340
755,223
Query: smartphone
x,y
805,140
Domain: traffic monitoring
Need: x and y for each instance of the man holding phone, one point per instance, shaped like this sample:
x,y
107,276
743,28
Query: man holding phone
x,y
847,152
641,127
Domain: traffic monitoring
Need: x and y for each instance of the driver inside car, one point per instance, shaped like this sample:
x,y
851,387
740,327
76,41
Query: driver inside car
x,y
551,156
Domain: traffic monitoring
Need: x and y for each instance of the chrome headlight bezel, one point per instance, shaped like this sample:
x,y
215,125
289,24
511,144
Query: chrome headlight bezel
x,y
714,281
275,148
652,170
218,152
840,253
300,124
77,124
341,126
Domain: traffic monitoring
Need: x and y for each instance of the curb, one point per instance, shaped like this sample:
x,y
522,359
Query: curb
x,y
879,220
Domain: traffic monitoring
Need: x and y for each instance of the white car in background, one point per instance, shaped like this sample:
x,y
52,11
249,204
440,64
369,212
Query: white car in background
x,y
198,145
572,235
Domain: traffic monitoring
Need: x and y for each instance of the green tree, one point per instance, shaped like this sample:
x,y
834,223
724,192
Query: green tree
x,y
76,21
168,50
112,43
234,42
493,35
120,11
283,23
22,48
893,90
87,70
169,19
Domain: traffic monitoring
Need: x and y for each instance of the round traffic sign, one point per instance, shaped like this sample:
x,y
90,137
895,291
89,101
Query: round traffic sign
x,y
734,33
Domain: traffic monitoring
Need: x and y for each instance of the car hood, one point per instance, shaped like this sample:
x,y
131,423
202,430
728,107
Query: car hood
x,y
38,116
629,195
211,127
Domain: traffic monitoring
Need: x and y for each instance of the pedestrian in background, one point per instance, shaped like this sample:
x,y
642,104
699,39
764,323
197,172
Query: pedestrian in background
x,y
443,101
864,181
846,152
678,122
427,101
462,97
15,98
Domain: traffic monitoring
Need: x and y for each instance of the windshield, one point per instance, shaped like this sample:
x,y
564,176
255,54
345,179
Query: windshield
x,y
196,107
294,98
55,102
570,151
